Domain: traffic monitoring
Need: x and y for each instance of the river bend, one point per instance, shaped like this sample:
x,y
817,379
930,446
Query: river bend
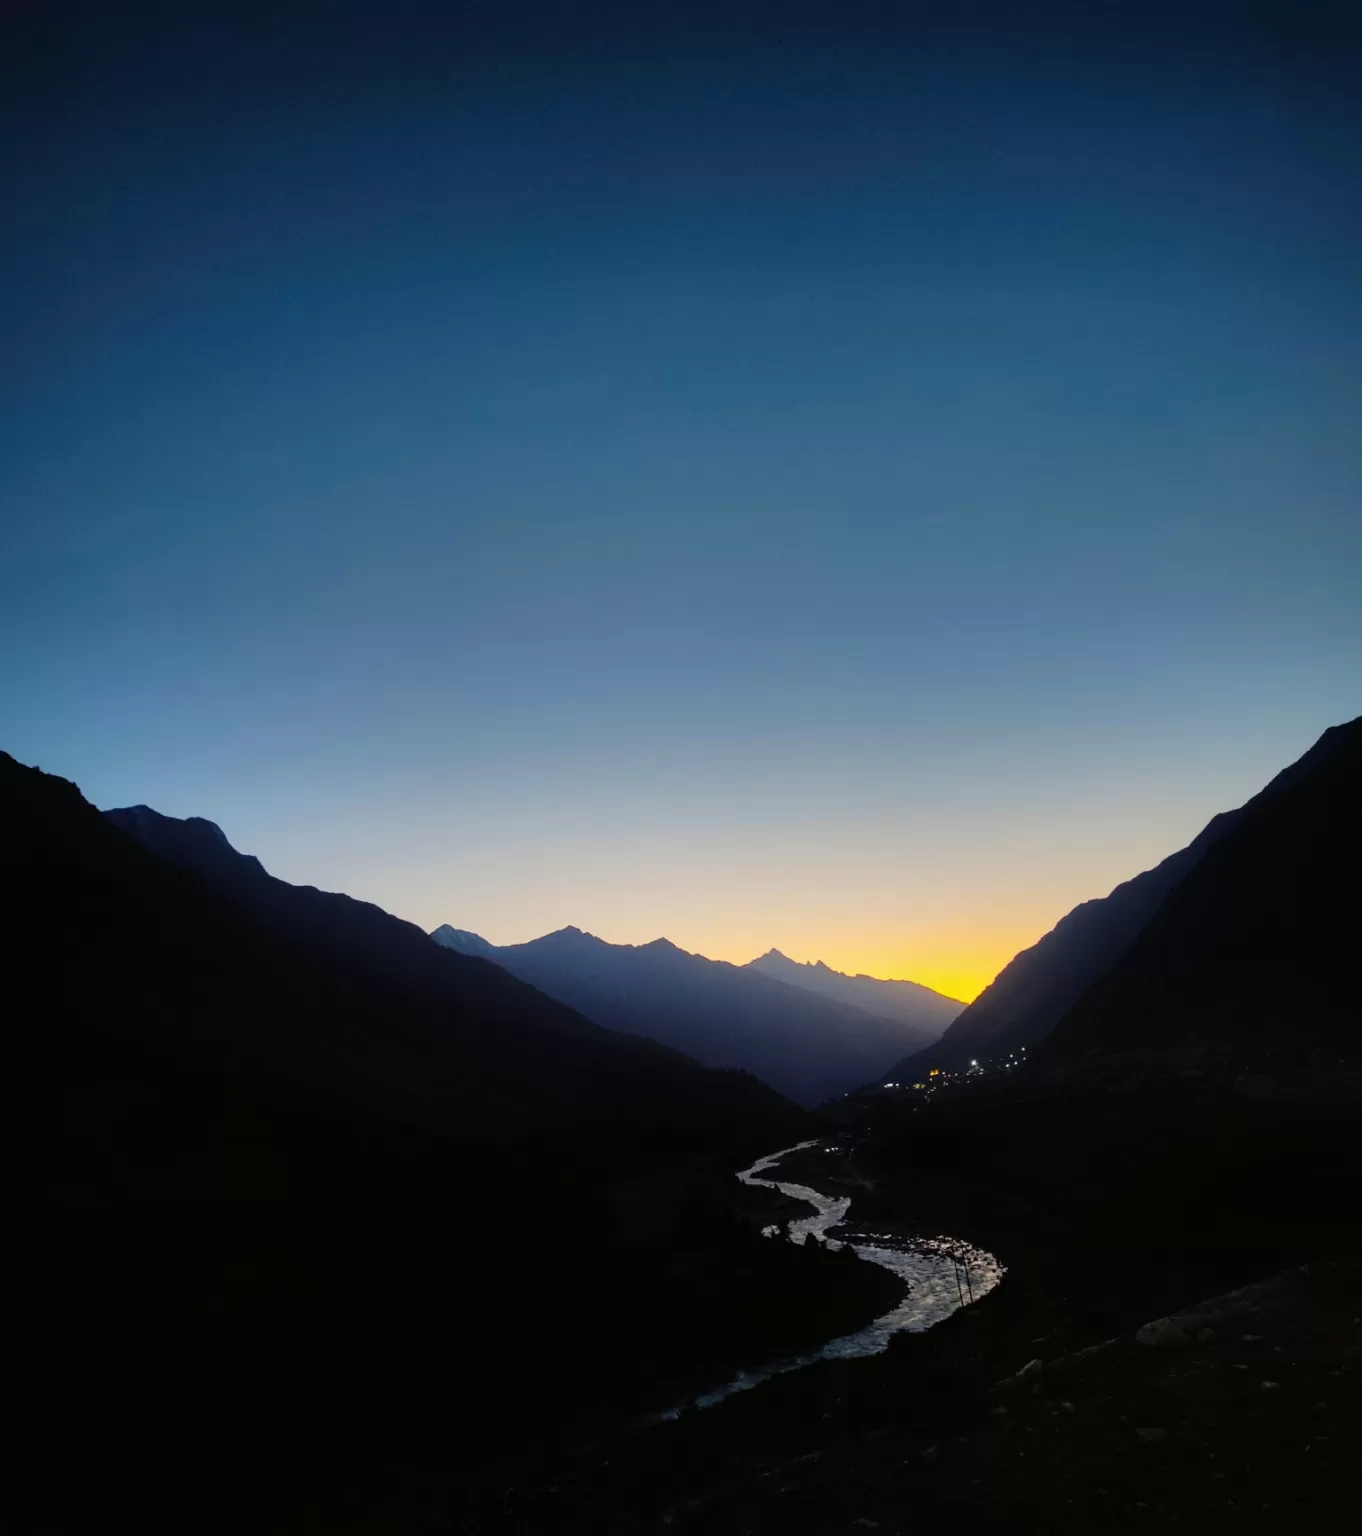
x,y
942,1274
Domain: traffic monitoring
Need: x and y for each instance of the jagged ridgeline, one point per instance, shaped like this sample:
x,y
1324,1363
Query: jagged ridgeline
x,y
808,1031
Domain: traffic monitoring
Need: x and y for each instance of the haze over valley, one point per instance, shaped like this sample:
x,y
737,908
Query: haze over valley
x,y
811,1042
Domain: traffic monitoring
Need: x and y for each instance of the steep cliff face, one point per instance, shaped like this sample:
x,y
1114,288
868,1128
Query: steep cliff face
x,y
1252,956
1037,987
1296,888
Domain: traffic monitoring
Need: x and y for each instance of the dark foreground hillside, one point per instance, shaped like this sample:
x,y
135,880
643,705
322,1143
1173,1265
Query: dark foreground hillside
x,y
288,1234
1251,960
1112,1211
1256,916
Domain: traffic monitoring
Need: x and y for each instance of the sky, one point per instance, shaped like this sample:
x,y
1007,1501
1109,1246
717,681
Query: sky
x,y
816,476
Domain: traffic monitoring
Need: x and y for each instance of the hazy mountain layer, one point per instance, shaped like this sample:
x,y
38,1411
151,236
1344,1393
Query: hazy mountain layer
x,y
918,1007
809,1047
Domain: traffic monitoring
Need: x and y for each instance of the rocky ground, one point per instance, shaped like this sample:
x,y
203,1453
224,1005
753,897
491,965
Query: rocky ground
x,y
1241,1413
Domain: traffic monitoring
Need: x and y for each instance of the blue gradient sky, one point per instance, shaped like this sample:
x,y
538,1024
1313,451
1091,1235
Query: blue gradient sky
x,y
855,487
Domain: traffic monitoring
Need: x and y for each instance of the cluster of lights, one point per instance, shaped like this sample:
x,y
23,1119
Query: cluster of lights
x,y
1012,1061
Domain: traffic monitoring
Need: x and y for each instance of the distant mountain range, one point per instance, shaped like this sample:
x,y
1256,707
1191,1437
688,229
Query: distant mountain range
x,y
907,1001
1250,898
811,1040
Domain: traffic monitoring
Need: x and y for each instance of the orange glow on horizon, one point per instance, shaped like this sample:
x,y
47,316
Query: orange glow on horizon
x,y
956,965
954,944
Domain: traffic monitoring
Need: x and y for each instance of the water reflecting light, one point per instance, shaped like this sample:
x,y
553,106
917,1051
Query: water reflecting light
x,y
942,1275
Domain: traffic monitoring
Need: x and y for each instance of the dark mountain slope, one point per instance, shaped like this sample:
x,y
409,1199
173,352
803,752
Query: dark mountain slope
x,y
363,935
1037,987
1253,956
810,1048
505,1025
925,1012
282,1229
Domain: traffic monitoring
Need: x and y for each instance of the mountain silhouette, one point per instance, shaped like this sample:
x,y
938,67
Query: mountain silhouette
x,y
512,1027
464,943
286,1171
809,1047
919,1008
1251,958
1039,986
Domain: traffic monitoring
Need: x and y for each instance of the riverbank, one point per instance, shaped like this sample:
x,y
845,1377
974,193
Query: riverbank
x,y
938,1274
1097,1246
1242,1421
1170,1188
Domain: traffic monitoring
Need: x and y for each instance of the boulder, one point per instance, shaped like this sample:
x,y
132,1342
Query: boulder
x,y
1030,1375
1164,1333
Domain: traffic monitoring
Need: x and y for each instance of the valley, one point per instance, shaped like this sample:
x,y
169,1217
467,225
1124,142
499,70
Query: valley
x,y
680,772
427,1248
1044,1406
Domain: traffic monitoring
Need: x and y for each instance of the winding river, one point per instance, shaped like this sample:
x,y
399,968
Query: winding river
x,y
942,1275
